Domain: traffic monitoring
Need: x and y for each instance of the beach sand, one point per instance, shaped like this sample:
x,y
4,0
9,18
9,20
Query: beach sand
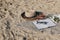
x,y
14,27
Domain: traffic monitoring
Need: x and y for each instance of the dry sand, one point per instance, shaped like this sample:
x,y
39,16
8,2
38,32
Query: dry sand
x,y
14,27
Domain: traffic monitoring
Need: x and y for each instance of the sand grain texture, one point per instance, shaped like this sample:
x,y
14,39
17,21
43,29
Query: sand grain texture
x,y
14,27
